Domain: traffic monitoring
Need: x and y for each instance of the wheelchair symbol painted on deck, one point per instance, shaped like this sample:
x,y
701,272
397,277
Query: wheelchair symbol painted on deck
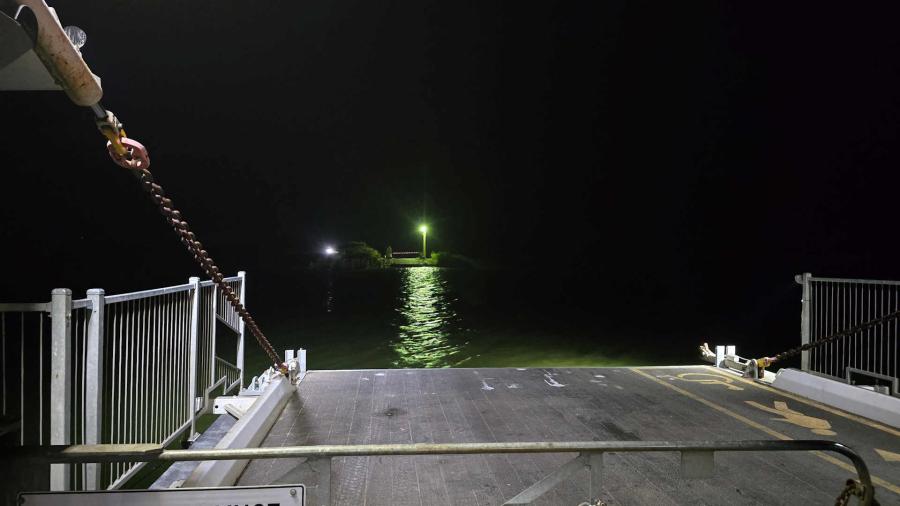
x,y
816,425
704,379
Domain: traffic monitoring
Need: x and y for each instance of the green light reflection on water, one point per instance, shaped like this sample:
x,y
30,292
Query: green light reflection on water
x,y
425,321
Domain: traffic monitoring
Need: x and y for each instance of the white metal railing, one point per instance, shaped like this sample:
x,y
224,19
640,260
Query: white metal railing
x,y
130,368
832,305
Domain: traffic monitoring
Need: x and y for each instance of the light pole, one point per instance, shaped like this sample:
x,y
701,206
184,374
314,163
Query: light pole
x,y
424,230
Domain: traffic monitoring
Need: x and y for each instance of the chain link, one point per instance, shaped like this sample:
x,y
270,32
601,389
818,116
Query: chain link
x,y
189,239
852,488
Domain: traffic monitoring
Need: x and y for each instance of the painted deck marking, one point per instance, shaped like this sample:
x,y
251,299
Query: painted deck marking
x,y
888,456
551,381
705,379
816,425
810,402
774,433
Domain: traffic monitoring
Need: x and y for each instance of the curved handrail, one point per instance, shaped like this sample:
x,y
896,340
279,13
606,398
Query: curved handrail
x,y
123,453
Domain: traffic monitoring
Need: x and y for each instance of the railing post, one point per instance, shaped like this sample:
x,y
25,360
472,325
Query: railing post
x,y
803,279
93,377
60,381
214,322
240,344
192,364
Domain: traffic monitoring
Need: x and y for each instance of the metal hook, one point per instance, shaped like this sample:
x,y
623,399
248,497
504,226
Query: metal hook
x,y
135,157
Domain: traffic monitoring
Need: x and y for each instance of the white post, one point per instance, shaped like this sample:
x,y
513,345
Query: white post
x,y
803,279
213,320
60,381
240,345
93,377
192,364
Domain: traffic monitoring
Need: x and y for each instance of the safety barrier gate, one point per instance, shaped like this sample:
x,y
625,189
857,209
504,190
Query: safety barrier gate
x,y
833,305
129,368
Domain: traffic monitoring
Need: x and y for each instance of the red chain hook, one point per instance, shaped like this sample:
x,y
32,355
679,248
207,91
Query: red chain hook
x,y
135,156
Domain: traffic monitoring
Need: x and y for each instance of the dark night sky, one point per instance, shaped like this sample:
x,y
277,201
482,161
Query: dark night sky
x,y
691,155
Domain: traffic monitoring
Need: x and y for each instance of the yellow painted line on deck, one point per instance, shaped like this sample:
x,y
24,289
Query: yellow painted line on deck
x,y
810,402
888,456
768,430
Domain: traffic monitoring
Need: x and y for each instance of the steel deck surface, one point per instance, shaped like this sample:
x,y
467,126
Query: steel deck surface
x,y
570,404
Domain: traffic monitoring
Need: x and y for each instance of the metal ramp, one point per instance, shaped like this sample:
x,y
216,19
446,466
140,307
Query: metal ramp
x,y
605,404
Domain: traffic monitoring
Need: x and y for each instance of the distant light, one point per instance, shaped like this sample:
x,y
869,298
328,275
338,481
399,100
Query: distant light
x,y
423,229
330,251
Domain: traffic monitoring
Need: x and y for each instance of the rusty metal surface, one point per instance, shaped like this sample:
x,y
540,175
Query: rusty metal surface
x,y
62,59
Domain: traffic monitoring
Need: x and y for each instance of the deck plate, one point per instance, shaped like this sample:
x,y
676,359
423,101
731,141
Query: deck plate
x,y
569,404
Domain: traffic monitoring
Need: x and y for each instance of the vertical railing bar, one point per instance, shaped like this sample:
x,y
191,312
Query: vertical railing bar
x,y
22,378
825,329
834,328
148,373
851,339
84,391
134,354
879,359
860,304
814,319
845,344
240,323
214,301
60,382
3,356
804,320
837,327
114,383
137,371
840,344
192,379
186,315
159,388
127,413
818,298
871,333
40,381
179,370
833,311
157,363
827,326
144,371
876,337
170,361
160,368
152,385
83,379
179,349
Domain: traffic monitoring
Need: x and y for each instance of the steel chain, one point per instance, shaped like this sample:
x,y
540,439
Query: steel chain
x,y
189,239
852,488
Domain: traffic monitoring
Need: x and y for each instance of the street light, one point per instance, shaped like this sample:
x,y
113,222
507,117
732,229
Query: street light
x,y
424,230
330,251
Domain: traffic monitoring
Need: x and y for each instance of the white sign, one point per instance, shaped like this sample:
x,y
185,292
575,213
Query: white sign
x,y
277,495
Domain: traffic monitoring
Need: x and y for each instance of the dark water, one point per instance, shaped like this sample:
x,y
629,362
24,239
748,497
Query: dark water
x,y
437,317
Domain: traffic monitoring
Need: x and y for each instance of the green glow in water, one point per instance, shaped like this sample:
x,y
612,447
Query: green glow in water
x,y
426,318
